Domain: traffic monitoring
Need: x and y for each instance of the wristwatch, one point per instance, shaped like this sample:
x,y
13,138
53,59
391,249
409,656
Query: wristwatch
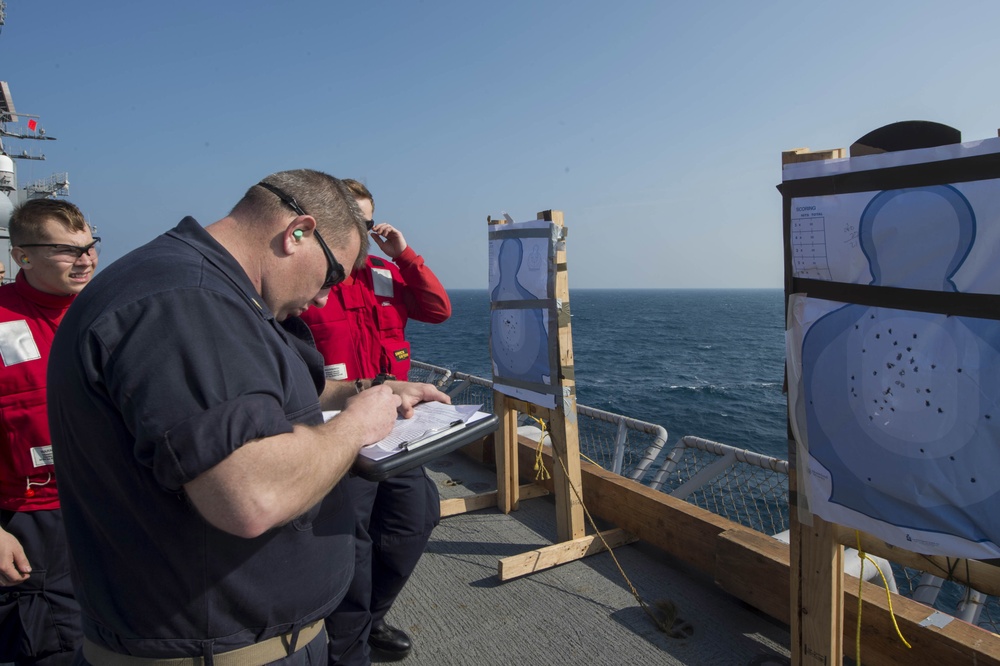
x,y
382,378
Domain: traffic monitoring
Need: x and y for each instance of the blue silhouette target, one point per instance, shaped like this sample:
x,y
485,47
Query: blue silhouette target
x,y
520,340
901,406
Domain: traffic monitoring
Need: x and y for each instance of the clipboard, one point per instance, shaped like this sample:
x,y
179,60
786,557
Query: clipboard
x,y
426,448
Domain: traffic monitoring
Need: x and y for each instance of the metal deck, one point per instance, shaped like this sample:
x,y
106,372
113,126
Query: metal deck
x,y
458,612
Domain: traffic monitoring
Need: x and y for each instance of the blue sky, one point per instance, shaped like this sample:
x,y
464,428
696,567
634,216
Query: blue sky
x,y
656,127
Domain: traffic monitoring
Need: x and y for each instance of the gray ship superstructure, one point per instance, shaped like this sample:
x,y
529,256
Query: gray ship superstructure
x,y
16,128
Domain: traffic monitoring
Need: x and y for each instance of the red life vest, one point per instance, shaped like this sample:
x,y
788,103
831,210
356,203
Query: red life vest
x,y
28,322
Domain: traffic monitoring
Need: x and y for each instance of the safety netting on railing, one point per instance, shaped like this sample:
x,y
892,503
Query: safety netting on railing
x,y
743,486
618,443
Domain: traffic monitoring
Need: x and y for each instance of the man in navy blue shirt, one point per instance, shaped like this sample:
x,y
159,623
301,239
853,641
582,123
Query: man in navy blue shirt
x,y
198,480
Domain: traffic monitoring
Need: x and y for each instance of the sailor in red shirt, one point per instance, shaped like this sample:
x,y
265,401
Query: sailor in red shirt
x,y
39,617
361,329
360,332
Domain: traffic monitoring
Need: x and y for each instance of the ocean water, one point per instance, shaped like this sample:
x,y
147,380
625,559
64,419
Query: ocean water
x,y
698,362
708,363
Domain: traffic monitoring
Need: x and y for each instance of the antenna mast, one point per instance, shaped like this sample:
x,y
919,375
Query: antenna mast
x,y
56,184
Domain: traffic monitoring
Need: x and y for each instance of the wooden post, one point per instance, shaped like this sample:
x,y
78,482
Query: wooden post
x,y
563,437
817,559
563,422
506,454
820,616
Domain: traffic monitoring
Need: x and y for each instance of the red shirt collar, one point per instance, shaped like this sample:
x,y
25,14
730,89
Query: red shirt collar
x,y
55,301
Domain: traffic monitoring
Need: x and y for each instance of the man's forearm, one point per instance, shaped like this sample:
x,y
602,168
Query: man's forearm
x,y
336,393
270,481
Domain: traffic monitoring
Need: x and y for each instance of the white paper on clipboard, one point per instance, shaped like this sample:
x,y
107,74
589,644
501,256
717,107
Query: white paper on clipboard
x,y
430,422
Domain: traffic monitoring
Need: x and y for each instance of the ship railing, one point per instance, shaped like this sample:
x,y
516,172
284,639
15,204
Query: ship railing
x,y
752,489
55,185
432,374
744,486
624,445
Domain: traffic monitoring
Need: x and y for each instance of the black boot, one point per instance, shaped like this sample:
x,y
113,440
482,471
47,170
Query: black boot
x,y
389,642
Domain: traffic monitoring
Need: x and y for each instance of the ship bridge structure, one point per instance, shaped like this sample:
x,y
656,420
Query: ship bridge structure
x,y
14,128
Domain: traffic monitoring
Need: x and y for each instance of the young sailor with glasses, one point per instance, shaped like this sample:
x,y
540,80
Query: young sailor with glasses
x,y
53,247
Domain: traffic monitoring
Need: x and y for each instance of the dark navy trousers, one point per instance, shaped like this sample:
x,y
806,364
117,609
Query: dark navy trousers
x,y
39,618
394,521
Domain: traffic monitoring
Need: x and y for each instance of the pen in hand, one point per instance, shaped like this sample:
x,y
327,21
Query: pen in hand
x,y
403,446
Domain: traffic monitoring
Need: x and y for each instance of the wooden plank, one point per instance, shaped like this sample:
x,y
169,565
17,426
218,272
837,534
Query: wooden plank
x,y
505,440
816,585
480,450
522,407
754,567
980,575
560,553
565,435
457,505
567,483
805,155
748,558
822,595
795,551
506,454
532,490
956,643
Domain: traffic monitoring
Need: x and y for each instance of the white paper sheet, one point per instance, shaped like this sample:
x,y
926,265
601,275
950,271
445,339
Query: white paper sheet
x,y
430,422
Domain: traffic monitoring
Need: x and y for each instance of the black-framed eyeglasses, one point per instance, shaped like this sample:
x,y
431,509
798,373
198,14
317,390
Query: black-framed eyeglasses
x,y
335,273
370,224
62,250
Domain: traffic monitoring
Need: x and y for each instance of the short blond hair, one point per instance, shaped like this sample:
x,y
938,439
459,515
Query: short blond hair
x,y
320,195
359,191
28,220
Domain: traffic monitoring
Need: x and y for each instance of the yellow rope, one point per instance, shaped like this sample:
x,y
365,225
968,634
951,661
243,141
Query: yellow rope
x,y
861,583
593,524
540,472
857,633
